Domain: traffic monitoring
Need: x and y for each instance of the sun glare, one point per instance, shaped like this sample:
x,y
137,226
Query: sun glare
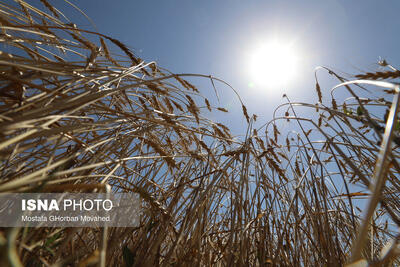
x,y
273,64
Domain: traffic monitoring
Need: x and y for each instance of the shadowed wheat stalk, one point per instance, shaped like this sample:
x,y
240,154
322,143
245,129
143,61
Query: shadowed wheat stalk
x,y
80,112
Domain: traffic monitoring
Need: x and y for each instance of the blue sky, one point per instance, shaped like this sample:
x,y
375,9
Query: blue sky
x,y
213,37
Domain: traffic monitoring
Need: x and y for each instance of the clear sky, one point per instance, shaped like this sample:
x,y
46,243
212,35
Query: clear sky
x,y
216,37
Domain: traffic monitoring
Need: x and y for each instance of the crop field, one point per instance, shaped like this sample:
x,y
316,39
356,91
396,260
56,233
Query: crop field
x,y
80,112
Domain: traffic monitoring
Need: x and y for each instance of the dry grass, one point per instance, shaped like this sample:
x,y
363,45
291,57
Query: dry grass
x,y
76,116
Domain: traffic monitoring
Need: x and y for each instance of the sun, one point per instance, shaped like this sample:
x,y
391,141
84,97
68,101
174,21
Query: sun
x,y
273,64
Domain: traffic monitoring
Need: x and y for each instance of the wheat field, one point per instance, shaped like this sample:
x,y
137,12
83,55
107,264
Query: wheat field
x,y
80,112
